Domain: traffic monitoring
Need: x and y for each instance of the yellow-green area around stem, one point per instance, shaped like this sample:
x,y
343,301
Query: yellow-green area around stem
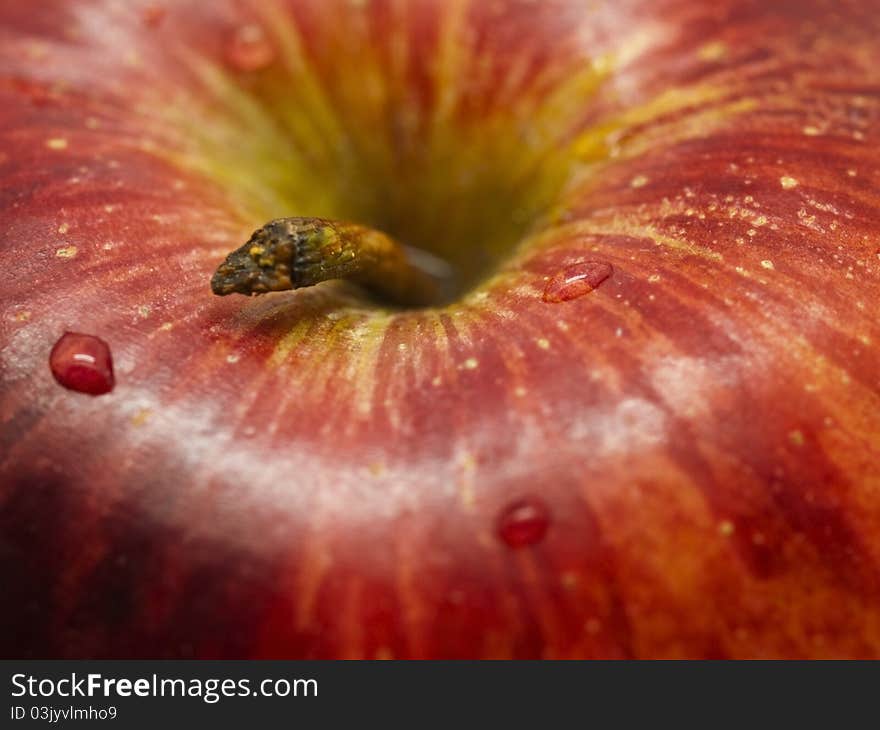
x,y
469,188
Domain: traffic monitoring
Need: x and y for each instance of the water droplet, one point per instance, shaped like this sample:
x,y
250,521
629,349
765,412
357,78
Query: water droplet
x,y
82,363
576,280
250,49
524,522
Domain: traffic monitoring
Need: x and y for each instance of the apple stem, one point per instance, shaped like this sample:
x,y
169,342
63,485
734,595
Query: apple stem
x,y
290,253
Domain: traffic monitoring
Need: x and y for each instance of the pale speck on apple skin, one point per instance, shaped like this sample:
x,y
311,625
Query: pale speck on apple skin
x,y
787,182
712,51
56,143
543,343
726,528
68,252
249,49
471,363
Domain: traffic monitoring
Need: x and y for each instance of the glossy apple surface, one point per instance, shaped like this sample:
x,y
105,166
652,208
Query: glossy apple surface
x,y
648,426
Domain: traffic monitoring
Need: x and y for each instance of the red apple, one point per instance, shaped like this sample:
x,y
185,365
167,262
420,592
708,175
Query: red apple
x,y
648,425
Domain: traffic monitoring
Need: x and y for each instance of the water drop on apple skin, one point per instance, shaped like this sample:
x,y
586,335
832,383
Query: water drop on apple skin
x,y
249,48
82,363
523,523
576,280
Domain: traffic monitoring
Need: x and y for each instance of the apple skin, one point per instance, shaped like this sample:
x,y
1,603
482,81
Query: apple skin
x,y
307,475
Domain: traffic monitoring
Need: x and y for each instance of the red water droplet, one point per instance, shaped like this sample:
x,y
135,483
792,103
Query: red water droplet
x,y
524,522
249,48
82,363
576,280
